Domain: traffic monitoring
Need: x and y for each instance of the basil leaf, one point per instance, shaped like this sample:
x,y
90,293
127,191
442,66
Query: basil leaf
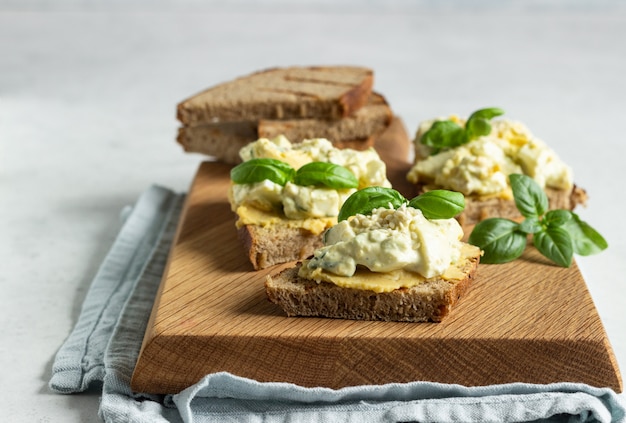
x,y
500,240
486,113
439,204
368,199
257,170
446,133
478,123
327,174
443,134
530,199
556,218
585,239
475,128
556,244
531,225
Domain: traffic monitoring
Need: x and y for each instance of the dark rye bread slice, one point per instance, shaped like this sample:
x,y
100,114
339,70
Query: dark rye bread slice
x,y
477,209
321,92
430,301
223,140
270,245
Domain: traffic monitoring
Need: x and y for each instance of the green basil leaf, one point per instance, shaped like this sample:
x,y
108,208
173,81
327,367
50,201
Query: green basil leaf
x,y
530,199
478,123
439,204
443,134
500,240
257,170
486,113
475,128
327,174
556,244
368,199
556,218
531,225
585,239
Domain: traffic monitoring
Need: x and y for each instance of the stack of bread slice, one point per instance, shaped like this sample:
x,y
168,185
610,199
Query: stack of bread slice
x,y
332,102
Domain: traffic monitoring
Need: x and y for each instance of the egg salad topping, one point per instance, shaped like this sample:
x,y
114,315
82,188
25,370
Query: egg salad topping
x,y
482,165
391,241
295,201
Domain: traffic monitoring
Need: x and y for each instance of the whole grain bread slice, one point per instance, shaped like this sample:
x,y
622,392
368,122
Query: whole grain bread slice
x,y
430,301
223,140
321,92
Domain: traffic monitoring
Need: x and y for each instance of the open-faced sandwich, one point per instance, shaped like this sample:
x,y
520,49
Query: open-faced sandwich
x,y
386,259
286,195
475,156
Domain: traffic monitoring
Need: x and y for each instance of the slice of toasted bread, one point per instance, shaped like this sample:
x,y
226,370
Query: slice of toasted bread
x,y
322,92
223,140
429,301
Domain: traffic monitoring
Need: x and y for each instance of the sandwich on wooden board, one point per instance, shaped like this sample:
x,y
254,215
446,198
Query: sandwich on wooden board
x,y
475,156
287,194
391,260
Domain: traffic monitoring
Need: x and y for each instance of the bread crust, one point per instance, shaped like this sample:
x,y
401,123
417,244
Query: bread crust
x,y
430,301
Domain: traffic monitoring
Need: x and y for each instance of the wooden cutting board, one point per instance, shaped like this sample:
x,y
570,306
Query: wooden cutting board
x,y
525,321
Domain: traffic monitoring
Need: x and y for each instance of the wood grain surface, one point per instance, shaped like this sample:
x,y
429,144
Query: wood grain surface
x,y
525,321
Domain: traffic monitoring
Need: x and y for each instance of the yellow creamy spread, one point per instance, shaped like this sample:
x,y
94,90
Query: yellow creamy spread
x,y
482,166
388,250
313,208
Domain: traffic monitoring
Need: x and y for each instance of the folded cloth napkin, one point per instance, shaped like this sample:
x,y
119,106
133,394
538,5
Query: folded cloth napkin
x,y
104,346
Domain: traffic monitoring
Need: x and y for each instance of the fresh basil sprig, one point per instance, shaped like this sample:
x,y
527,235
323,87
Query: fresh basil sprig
x,y
557,234
446,133
436,204
328,174
315,173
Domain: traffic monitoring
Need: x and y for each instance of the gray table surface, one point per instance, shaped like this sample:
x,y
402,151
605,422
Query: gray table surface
x,y
87,122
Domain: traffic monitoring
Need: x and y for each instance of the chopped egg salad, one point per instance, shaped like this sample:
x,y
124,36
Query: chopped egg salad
x,y
388,250
262,202
481,167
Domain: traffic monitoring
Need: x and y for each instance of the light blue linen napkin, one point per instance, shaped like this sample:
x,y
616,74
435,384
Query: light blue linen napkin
x,y
104,346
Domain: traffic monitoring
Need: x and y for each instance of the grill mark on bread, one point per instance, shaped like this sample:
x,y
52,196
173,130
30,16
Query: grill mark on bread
x,y
316,81
288,91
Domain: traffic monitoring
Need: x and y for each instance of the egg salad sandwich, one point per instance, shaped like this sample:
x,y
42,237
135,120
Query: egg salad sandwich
x,y
386,259
287,194
475,156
